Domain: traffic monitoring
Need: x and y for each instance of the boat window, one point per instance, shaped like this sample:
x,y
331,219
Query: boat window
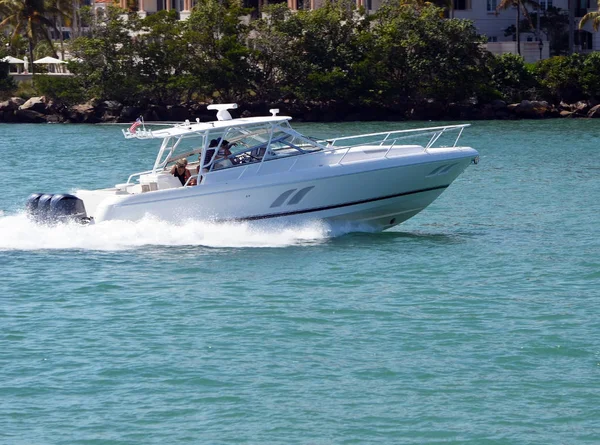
x,y
286,144
252,145
188,148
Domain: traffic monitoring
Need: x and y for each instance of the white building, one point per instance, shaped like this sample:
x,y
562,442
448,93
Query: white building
x,y
493,23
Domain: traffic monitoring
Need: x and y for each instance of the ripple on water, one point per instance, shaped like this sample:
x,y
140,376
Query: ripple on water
x,y
474,322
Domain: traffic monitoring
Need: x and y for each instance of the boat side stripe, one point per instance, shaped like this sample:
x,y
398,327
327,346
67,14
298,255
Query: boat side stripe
x,y
337,206
301,194
281,199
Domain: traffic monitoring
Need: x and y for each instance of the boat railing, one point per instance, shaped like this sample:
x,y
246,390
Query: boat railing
x,y
133,175
390,139
385,138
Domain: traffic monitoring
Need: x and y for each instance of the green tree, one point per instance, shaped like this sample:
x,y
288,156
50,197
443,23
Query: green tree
x,y
331,42
161,57
593,17
272,52
312,55
420,55
106,59
560,77
589,75
512,78
217,54
521,8
553,23
29,18
7,83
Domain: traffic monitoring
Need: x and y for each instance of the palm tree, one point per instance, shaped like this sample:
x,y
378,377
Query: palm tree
x,y
571,25
521,6
594,17
62,17
31,18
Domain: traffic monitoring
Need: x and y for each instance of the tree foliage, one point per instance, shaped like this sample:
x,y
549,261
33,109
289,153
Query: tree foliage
x,y
7,84
106,59
512,78
30,18
418,54
403,55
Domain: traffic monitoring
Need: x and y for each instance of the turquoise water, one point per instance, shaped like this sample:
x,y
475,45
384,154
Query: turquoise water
x,y
477,321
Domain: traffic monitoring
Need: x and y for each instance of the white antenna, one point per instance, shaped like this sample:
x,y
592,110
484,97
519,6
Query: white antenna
x,y
222,113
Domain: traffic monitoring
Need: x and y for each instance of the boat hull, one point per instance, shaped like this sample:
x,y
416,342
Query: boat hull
x,y
371,196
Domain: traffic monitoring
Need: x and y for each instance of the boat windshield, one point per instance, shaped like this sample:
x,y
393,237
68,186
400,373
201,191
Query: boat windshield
x,y
267,143
246,144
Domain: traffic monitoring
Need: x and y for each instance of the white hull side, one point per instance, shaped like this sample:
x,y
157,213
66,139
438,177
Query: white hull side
x,y
389,193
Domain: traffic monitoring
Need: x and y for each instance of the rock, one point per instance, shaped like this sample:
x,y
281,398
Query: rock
x,y
17,100
581,108
178,113
29,116
594,112
504,115
525,109
110,110
111,105
565,113
155,113
487,112
540,107
83,113
37,104
565,106
7,106
129,114
498,105
531,109
54,118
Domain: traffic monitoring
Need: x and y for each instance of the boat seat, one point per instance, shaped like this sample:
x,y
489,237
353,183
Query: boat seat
x,y
258,152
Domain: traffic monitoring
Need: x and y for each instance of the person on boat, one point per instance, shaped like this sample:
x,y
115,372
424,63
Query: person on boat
x,y
180,171
210,152
222,158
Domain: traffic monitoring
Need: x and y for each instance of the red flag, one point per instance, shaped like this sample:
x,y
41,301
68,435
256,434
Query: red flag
x,y
136,124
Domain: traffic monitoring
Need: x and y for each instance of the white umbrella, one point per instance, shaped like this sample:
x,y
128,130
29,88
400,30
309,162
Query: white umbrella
x,y
10,59
49,60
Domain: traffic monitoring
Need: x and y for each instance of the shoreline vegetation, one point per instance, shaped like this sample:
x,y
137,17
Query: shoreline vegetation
x,y
335,63
42,110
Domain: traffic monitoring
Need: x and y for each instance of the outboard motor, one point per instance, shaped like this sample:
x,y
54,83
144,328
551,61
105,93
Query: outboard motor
x,y
43,207
63,207
32,203
48,208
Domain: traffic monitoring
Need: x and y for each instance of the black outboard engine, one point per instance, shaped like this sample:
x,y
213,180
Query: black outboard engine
x,y
43,207
32,203
48,208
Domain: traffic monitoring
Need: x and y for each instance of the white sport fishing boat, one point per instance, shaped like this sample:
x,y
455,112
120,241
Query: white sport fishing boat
x,y
260,168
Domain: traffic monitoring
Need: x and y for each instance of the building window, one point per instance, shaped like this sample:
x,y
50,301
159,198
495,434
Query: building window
x,y
492,39
584,39
461,5
492,5
545,4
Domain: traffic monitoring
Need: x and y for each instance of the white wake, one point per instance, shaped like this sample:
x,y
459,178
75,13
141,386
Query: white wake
x,y
18,232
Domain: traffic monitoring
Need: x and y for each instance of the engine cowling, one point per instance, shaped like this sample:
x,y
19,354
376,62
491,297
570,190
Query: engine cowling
x,y
55,208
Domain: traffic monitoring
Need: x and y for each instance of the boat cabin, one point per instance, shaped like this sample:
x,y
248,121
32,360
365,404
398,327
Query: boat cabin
x,y
216,146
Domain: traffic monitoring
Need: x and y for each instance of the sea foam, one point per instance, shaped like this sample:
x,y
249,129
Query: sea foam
x,y
18,232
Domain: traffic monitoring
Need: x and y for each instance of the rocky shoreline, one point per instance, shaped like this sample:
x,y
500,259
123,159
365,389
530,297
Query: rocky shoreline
x,y
41,110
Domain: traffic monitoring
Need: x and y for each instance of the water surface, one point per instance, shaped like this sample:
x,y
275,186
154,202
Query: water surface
x,y
476,322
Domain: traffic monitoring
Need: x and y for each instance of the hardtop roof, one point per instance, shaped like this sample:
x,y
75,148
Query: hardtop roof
x,y
190,128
